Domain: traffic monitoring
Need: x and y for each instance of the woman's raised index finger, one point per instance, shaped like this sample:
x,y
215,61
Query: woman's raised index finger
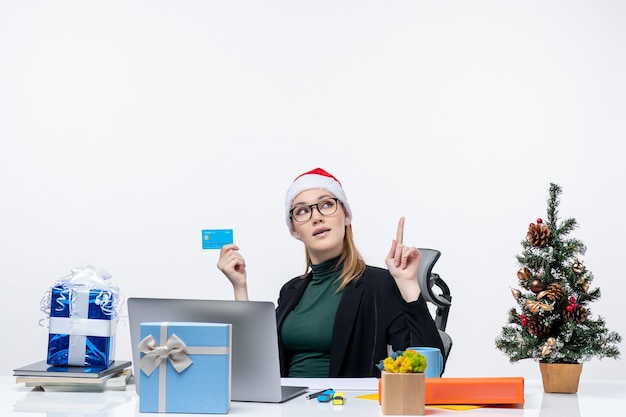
x,y
400,233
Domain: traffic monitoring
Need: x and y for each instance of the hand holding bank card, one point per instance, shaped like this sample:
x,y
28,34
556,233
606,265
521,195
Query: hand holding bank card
x,y
216,238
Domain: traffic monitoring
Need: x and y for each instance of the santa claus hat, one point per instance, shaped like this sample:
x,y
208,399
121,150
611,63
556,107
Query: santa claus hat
x,y
312,180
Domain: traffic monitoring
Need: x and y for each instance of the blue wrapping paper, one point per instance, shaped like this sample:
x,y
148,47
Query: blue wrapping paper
x,y
185,368
83,312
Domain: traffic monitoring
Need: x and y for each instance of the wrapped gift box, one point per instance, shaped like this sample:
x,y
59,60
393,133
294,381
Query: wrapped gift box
x,y
82,326
471,391
185,367
498,390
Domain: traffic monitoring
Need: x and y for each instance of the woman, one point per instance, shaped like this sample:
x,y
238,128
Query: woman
x,y
338,319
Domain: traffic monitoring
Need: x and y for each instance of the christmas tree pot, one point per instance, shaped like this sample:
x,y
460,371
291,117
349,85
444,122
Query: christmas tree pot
x,y
403,393
560,377
552,322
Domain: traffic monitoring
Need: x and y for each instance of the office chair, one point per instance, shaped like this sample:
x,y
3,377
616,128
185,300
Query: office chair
x,y
427,280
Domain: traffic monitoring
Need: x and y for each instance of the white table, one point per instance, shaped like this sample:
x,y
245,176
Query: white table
x,y
594,398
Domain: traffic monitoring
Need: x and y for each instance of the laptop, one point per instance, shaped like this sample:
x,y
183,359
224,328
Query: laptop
x,y
255,365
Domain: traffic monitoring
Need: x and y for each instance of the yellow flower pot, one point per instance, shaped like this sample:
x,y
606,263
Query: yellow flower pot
x,y
402,394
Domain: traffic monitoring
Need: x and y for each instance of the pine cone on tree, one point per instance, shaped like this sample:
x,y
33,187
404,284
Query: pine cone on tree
x,y
538,234
536,327
579,314
554,292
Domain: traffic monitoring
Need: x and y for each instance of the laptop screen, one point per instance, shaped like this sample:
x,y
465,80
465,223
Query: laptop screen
x,y
255,365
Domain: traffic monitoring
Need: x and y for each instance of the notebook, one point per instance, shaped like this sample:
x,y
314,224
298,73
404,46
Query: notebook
x,y
255,365
42,369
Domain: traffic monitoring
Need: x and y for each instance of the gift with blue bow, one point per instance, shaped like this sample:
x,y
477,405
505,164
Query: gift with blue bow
x,y
185,367
83,310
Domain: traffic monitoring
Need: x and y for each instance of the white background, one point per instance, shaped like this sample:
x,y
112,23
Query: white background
x,y
127,127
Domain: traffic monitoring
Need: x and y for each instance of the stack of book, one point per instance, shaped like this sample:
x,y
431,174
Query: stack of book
x,y
74,378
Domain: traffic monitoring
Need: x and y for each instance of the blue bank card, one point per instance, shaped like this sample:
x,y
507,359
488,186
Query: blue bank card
x,y
216,238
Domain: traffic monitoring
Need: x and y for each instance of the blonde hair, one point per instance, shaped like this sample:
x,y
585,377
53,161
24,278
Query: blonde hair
x,y
350,258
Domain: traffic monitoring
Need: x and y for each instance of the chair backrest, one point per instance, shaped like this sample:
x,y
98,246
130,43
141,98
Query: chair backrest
x,y
427,281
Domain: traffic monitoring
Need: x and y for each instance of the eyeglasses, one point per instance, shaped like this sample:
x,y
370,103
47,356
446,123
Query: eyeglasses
x,y
303,213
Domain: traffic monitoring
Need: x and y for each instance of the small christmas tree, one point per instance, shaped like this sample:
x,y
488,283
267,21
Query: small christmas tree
x,y
554,323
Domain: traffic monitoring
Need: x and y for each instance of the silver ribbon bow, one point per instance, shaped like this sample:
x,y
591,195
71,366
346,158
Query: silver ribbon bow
x,y
174,350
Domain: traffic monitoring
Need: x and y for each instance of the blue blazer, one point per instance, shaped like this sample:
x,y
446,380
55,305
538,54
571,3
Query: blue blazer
x,y
371,315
